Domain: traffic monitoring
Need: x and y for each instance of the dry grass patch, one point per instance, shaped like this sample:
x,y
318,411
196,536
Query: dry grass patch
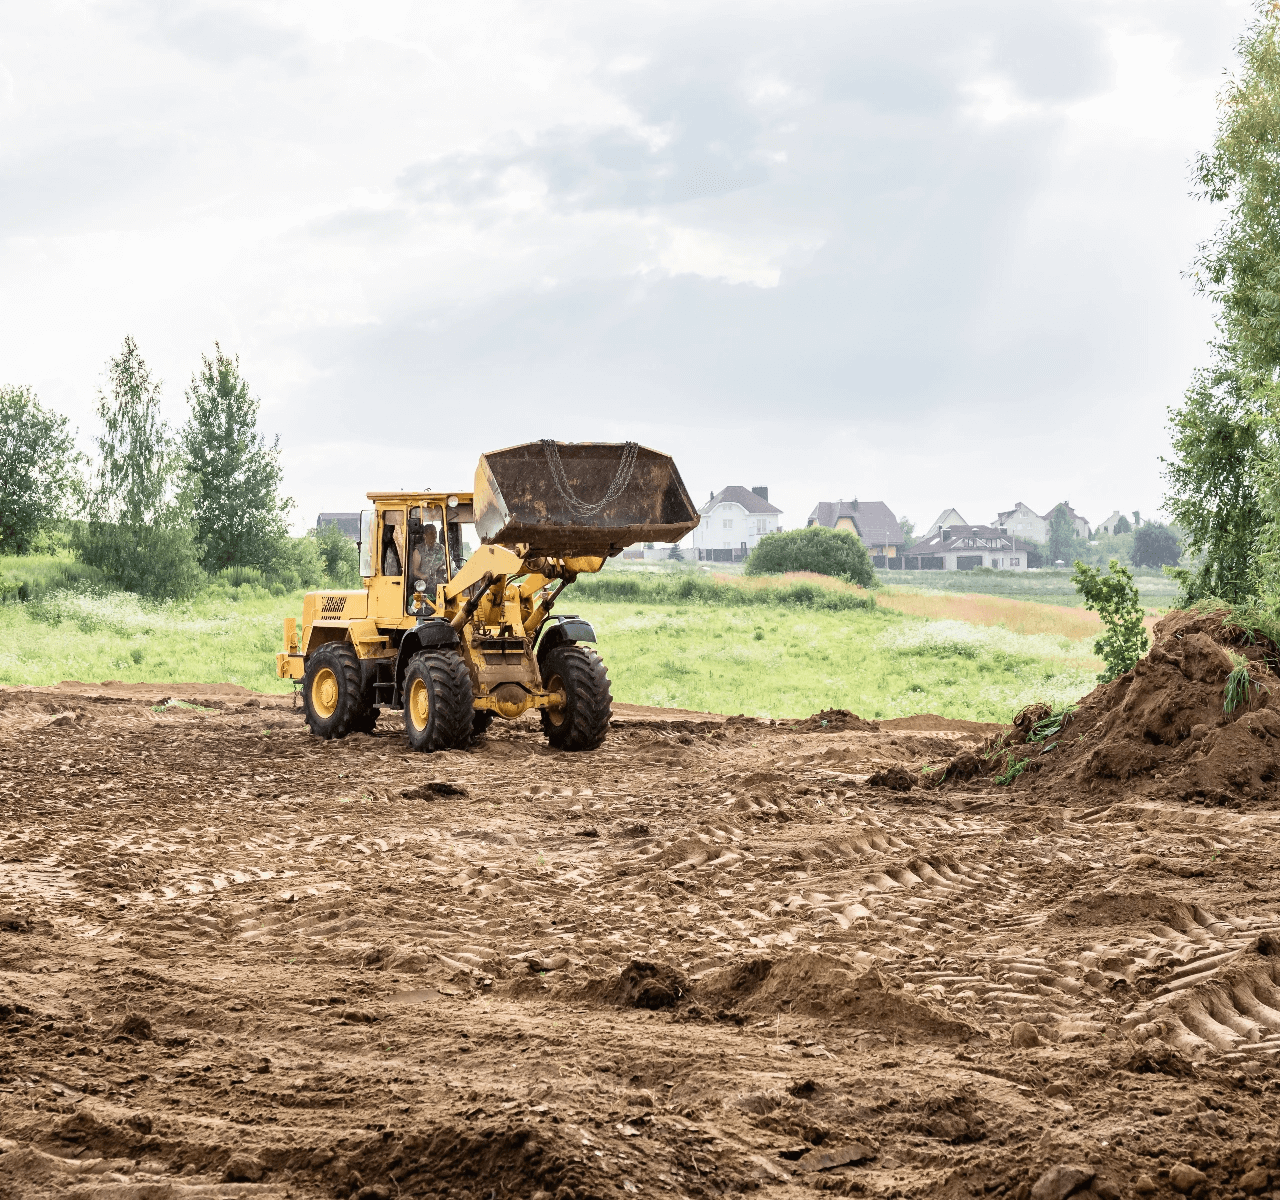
x,y
1019,616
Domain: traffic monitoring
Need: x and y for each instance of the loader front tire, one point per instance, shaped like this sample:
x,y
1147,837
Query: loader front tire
x,y
331,691
437,701
583,722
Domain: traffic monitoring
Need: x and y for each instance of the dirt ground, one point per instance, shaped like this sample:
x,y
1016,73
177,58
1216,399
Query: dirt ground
x,y
706,959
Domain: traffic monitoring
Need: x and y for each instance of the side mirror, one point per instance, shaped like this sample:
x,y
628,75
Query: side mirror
x,y
420,586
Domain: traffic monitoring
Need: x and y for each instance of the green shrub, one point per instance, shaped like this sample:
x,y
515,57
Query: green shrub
x,y
1115,599
157,560
835,552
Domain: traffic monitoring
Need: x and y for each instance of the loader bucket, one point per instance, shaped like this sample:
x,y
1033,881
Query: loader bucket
x,y
580,497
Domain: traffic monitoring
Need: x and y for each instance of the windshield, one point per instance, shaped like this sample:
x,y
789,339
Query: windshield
x,y
426,549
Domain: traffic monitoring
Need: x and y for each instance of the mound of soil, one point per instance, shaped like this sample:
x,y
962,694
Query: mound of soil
x,y
815,985
832,720
1159,730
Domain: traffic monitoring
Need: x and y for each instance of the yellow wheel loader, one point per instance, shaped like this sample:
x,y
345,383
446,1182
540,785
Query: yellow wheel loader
x,y
453,624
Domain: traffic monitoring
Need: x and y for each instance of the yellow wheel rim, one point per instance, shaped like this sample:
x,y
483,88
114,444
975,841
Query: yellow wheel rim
x,y
324,692
419,704
555,715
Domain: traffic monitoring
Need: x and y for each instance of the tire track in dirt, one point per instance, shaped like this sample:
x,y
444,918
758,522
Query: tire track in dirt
x,y
358,968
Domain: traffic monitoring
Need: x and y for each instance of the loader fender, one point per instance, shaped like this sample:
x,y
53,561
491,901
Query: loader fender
x,y
559,631
434,633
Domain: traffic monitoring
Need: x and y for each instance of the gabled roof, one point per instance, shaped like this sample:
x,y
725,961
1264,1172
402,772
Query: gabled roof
x,y
739,495
948,516
1018,507
873,519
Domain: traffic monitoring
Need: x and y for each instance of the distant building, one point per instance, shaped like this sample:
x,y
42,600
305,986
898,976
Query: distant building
x,y
964,547
733,522
1109,525
872,520
949,517
1022,522
349,523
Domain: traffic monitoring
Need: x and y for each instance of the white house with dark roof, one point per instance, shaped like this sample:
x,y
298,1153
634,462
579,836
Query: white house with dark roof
x,y
964,547
733,521
872,520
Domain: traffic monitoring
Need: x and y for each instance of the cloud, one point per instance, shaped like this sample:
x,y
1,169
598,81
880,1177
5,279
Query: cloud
x,y
924,251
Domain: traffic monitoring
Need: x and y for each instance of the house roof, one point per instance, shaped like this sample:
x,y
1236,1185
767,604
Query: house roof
x,y
942,519
739,495
968,537
873,519
1001,518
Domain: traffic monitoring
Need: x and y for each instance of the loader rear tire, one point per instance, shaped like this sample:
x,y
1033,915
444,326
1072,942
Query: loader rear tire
x,y
583,723
331,691
437,701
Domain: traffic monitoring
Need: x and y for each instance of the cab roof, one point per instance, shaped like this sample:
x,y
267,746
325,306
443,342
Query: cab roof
x,y
427,497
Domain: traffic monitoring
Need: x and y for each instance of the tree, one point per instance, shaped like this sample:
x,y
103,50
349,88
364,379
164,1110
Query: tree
x,y
1062,535
138,534
233,475
816,548
1121,526
38,469
908,533
1239,266
1155,545
1115,599
1220,450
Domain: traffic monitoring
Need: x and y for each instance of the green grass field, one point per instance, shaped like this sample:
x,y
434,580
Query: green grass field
x,y
1046,587
784,660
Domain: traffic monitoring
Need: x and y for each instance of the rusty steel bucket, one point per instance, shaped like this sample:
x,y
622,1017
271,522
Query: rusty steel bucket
x,y
580,497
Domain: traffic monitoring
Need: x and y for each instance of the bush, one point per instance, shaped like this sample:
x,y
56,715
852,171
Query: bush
x,y
296,563
835,552
157,561
692,588
1115,599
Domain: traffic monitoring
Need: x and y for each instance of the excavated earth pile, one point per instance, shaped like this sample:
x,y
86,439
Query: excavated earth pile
x,y
715,956
1160,731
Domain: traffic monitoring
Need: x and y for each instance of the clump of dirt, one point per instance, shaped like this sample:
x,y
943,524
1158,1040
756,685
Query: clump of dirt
x,y
815,985
832,720
642,984
1160,729
896,777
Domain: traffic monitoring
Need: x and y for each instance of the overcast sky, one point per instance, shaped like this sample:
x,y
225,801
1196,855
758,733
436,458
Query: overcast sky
x,y
922,251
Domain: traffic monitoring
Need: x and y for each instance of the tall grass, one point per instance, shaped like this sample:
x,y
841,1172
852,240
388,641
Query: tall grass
x,y
23,577
1021,616
696,588
224,636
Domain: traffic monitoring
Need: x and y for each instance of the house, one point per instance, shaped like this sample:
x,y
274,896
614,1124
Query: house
x,y
1021,521
349,523
733,522
950,517
872,520
964,547
1109,525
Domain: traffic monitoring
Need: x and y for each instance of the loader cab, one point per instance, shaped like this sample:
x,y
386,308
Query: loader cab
x,y
414,538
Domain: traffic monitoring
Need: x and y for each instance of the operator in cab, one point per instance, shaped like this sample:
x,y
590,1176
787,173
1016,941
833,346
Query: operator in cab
x,y
427,561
